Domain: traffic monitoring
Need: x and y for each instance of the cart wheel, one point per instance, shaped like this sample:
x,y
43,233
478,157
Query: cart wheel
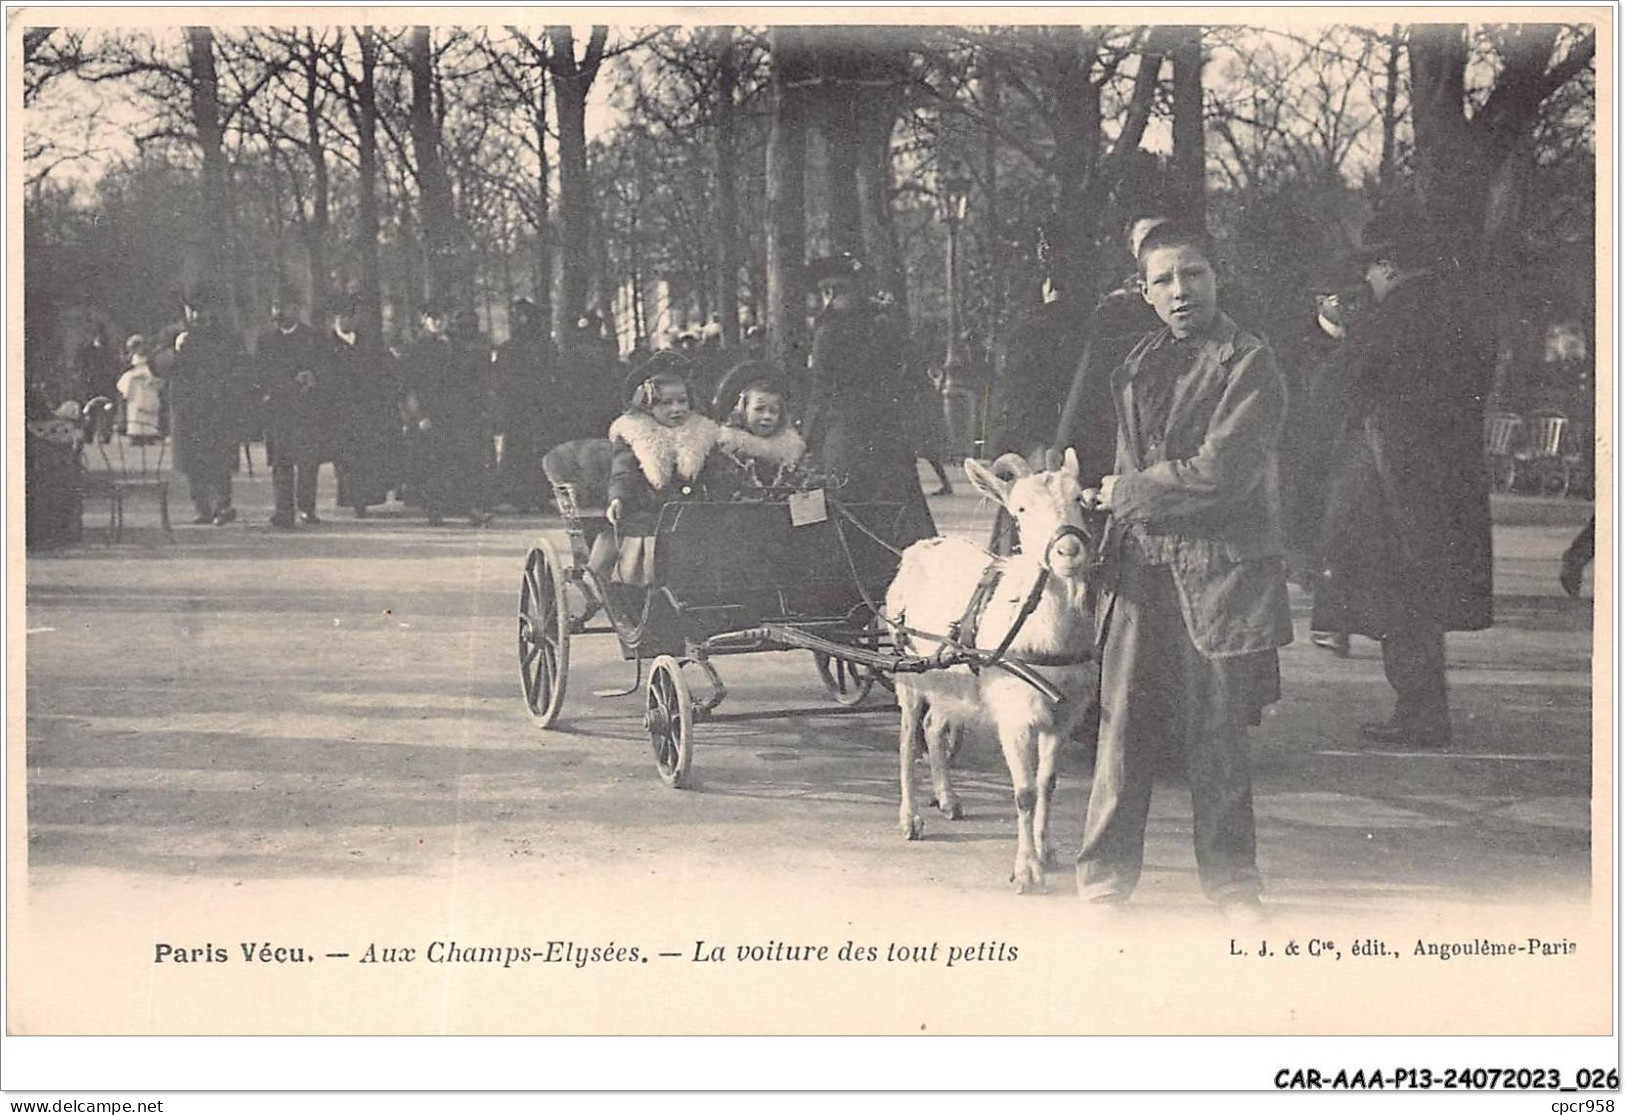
x,y
544,634
847,682
669,716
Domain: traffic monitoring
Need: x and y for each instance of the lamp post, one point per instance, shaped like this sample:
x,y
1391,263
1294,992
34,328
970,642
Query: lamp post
x,y
958,401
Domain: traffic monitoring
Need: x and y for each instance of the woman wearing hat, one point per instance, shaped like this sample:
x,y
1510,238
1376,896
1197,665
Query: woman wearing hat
x,y
857,425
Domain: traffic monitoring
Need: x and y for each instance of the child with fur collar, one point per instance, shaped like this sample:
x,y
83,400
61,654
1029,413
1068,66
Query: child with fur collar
x,y
759,440
661,450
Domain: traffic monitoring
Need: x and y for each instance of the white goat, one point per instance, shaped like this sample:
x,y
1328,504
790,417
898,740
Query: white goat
x,y
935,584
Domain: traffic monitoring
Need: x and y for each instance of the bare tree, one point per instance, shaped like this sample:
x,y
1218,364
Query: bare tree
x,y
437,207
572,80
786,202
1190,153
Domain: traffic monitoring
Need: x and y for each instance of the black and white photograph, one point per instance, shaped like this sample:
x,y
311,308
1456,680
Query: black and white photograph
x,y
824,522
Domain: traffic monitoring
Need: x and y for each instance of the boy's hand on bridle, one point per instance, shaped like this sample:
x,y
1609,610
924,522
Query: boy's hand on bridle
x,y
613,512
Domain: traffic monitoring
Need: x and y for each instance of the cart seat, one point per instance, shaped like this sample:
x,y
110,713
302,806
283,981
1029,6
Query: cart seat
x,y
583,465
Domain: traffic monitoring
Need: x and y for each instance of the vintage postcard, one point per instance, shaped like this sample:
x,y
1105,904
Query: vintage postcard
x,y
1058,523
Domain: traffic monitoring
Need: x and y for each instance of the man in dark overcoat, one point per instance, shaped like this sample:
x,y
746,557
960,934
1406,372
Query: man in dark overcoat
x,y
205,375
856,424
1036,365
528,395
1317,375
449,383
589,396
1408,540
296,402
1120,319
367,424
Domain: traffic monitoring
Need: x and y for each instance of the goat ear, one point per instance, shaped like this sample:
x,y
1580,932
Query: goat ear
x,y
1011,466
1070,463
1052,461
986,481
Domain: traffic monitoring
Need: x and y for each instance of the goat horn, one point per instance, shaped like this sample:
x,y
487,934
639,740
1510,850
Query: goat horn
x,y
1011,466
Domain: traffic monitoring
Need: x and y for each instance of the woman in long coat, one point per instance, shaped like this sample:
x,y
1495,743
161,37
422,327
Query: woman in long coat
x,y
367,437
1407,548
856,425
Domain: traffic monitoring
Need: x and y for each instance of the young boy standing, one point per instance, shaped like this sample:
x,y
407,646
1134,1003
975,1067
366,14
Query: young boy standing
x,y
1198,605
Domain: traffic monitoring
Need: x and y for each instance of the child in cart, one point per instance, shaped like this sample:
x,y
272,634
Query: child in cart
x,y
757,436
661,450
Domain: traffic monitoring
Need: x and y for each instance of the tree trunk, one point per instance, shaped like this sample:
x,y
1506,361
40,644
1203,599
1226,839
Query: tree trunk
x,y
372,316
786,205
543,293
876,117
1390,113
994,257
838,125
215,229
1473,174
436,207
1450,169
1076,127
727,216
572,79
1190,154
316,232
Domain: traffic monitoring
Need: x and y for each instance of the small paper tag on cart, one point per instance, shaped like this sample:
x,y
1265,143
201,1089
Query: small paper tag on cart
x,y
807,508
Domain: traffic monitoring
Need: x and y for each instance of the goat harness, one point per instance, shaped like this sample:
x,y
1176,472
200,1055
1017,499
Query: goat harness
x,y
958,646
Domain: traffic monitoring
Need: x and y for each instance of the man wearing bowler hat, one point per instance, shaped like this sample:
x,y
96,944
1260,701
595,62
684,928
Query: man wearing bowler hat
x,y
297,403
1408,541
207,398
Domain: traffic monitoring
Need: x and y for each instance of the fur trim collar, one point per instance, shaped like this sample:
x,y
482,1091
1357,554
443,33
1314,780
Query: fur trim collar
x,y
665,453
783,449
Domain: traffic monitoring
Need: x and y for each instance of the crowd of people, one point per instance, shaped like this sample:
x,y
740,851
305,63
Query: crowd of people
x,y
458,427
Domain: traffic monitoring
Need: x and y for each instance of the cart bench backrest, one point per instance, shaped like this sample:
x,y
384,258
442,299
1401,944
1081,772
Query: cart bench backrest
x,y
583,465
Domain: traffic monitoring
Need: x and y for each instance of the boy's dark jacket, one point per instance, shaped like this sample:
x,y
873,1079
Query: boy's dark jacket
x,y
1207,501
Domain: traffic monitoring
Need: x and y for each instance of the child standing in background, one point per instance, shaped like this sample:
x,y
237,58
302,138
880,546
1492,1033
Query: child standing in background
x,y
142,394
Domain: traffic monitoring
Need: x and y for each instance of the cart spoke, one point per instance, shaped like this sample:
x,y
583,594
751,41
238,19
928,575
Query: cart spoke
x,y
533,581
529,677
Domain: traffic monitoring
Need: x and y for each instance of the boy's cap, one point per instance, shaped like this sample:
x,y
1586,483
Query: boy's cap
x,y
665,362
